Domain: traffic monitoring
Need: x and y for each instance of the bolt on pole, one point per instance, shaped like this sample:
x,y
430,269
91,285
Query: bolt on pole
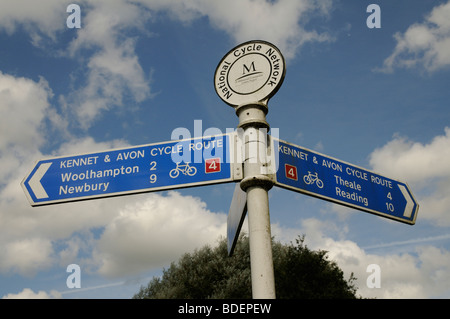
x,y
252,121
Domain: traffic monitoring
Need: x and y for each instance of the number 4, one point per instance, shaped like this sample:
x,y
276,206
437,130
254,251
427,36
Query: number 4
x,y
290,171
212,165
389,196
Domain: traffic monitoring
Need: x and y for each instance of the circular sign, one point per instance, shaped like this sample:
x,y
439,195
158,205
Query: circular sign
x,y
251,72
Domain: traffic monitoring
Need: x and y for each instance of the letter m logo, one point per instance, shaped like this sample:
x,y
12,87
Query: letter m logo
x,y
251,68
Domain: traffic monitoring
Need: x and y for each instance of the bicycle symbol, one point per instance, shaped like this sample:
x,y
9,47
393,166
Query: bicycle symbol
x,y
183,168
312,178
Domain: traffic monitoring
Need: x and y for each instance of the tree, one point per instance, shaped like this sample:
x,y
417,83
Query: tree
x,y
210,273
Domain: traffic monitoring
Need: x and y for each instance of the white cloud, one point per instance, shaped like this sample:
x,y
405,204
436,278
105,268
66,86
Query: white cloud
x,y
112,74
155,231
113,69
59,236
425,167
48,16
137,233
420,274
27,293
23,106
402,158
280,22
27,234
435,264
87,145
425,44
26,256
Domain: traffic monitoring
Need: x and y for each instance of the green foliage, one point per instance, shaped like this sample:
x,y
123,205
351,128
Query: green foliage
x,y
305,274
210,273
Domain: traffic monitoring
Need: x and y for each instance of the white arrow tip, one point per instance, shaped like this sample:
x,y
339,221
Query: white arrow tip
x,y
409,202
35,181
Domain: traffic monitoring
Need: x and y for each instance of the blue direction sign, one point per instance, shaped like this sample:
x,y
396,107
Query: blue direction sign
x,y
318,175
145,168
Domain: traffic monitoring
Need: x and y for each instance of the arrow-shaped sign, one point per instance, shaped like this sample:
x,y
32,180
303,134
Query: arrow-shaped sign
x,y
146,168
318,175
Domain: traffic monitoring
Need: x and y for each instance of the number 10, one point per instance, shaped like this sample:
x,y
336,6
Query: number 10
x,y
390,206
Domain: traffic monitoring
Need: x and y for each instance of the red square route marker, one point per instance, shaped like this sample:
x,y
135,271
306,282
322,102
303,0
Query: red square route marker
x,y
291,172
212,165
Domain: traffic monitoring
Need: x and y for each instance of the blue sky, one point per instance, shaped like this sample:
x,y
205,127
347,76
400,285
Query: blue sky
x,y
135,71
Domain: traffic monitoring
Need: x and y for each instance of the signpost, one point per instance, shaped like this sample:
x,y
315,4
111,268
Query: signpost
x,y
147,168
246,78
318,175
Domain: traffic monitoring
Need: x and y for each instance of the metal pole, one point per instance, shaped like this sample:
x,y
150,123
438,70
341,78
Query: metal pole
x,y
253,123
